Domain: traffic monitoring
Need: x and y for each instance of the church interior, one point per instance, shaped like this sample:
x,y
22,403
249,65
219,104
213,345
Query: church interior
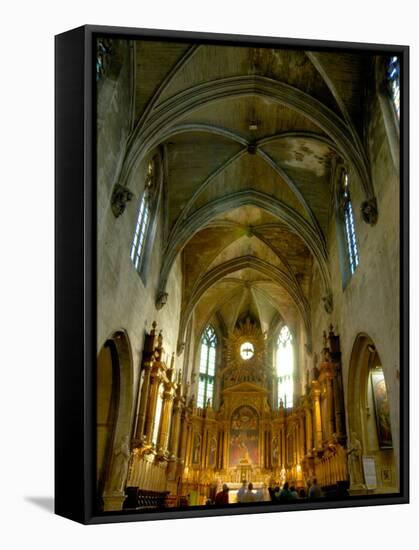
x,y
248,259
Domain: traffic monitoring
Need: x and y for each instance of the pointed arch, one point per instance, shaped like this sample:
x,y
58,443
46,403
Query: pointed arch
x,y
275,274
207,364
201,217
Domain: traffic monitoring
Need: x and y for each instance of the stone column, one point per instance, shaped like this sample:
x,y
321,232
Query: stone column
x,y
318,434
144,398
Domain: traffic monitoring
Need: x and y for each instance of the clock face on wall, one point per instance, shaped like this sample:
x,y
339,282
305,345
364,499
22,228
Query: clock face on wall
x,y
247,350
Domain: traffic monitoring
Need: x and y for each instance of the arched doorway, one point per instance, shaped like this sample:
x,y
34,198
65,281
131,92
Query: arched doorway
x,y
370,434
113,414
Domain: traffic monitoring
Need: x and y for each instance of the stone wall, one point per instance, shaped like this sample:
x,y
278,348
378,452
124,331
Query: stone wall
x,y
124,301
370,302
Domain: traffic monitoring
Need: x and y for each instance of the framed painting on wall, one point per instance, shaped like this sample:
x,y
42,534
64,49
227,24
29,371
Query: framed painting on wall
x,y
381,408
231,274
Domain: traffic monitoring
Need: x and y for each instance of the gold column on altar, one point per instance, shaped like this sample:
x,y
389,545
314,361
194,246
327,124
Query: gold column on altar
x,y
184,439
225,448
318,434
163,435
339,412
220,448
165,418
302,441
175,425
146,365
152,401
262,441
309,427
283,448
144,398
338,402
330,403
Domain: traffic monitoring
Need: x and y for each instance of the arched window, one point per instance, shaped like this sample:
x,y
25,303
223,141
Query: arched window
x,y
142,226
393,80
285,367
349,225
207,367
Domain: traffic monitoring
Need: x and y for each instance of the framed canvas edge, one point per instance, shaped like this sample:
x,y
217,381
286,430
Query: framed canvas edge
x,y
85,446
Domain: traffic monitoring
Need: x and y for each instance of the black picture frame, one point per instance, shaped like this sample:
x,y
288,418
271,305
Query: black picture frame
x,y
75,272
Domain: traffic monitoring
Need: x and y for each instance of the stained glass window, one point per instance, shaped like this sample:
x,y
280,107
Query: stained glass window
x,y
349,223
143,222
207,367
285,367
247,350
103,53
393,79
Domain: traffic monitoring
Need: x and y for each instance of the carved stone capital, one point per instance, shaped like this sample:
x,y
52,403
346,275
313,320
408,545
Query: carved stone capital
x,y
120,196
161,299
328,303
309,349
369,211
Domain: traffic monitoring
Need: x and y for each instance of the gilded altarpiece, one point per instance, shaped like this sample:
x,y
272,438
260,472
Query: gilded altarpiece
x,y
193,450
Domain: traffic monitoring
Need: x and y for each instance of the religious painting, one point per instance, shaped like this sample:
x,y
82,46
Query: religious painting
x,y
275,451
382,411
244,442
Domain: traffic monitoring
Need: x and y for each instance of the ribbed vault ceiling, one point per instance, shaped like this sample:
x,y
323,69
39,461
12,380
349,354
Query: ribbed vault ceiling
x,y
247,260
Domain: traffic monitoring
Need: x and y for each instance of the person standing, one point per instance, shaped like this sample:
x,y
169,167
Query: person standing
x,y
221,498
294,494
285,495
315,490
241,492
249,495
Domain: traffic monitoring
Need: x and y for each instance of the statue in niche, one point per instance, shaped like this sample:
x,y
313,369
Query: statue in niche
x,y
212,452
354,460
120,465
196,449
120,196
275,451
